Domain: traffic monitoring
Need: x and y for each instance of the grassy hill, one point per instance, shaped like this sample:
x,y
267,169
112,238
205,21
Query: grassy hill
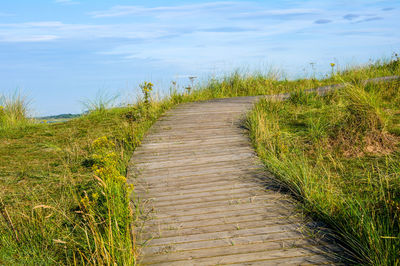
x,y
61,116
64,198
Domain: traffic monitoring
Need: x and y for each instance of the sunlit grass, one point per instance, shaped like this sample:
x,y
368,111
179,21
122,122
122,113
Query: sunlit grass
x,y
14,111
100,102
339,155
49,178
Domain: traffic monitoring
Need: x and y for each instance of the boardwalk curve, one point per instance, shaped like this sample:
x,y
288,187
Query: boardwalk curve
x,y
207,199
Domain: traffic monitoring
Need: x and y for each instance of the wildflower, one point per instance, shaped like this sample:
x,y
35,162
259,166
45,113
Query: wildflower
x,y
130,187
120,178
95,196
146,87
102,143
112,156
333,66
99,171
85,201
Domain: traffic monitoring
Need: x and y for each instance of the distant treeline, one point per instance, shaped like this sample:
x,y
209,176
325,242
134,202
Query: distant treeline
x,y
62,116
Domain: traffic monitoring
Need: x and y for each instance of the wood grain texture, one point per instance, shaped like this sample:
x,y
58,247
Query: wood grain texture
x,y
206,198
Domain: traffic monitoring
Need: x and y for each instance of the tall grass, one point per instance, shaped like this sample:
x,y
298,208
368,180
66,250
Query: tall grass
x,y
378,68
339,155
100,103
14,110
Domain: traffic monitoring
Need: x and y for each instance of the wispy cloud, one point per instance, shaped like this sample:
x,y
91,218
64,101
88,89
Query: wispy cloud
x,y
350,16
67,2
28,38
275,13
369,19
31,31
227,29
160,27
118,11
322,21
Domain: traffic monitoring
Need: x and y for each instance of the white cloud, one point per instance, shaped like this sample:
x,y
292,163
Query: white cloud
x,y
28,38
276,12
118,11
23,32
67,2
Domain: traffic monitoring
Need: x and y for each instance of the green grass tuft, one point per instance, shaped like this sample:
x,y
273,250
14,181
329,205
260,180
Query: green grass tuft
x,y
100,103
14,111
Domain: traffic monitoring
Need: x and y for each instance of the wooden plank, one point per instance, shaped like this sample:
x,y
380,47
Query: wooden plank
x,y
192,131
200,146
235,219
226,234
269,257
174,185
195,160
186,171
187,177
234,241
176,231
190,143
189,137
166,155
266,204
192,126
264,247
194,179
228,212
257,198
233,188
200,201
306,260
206,183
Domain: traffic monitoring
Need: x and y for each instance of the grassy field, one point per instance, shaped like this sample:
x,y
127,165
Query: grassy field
x,y
59,210
64,198
339,156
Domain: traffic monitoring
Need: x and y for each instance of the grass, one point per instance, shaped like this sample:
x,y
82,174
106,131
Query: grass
x,y
101,102
339,155
14,111
64,197
63,188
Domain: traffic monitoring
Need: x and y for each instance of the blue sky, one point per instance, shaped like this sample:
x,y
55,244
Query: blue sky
x,y
61,52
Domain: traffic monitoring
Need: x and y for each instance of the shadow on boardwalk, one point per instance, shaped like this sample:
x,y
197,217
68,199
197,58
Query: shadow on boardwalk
x,y
208,200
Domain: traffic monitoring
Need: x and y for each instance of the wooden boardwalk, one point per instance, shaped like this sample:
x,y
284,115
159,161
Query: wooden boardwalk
x,y
207,199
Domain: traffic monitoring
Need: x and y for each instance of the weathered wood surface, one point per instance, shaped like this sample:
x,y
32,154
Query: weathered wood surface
x,y
207,199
